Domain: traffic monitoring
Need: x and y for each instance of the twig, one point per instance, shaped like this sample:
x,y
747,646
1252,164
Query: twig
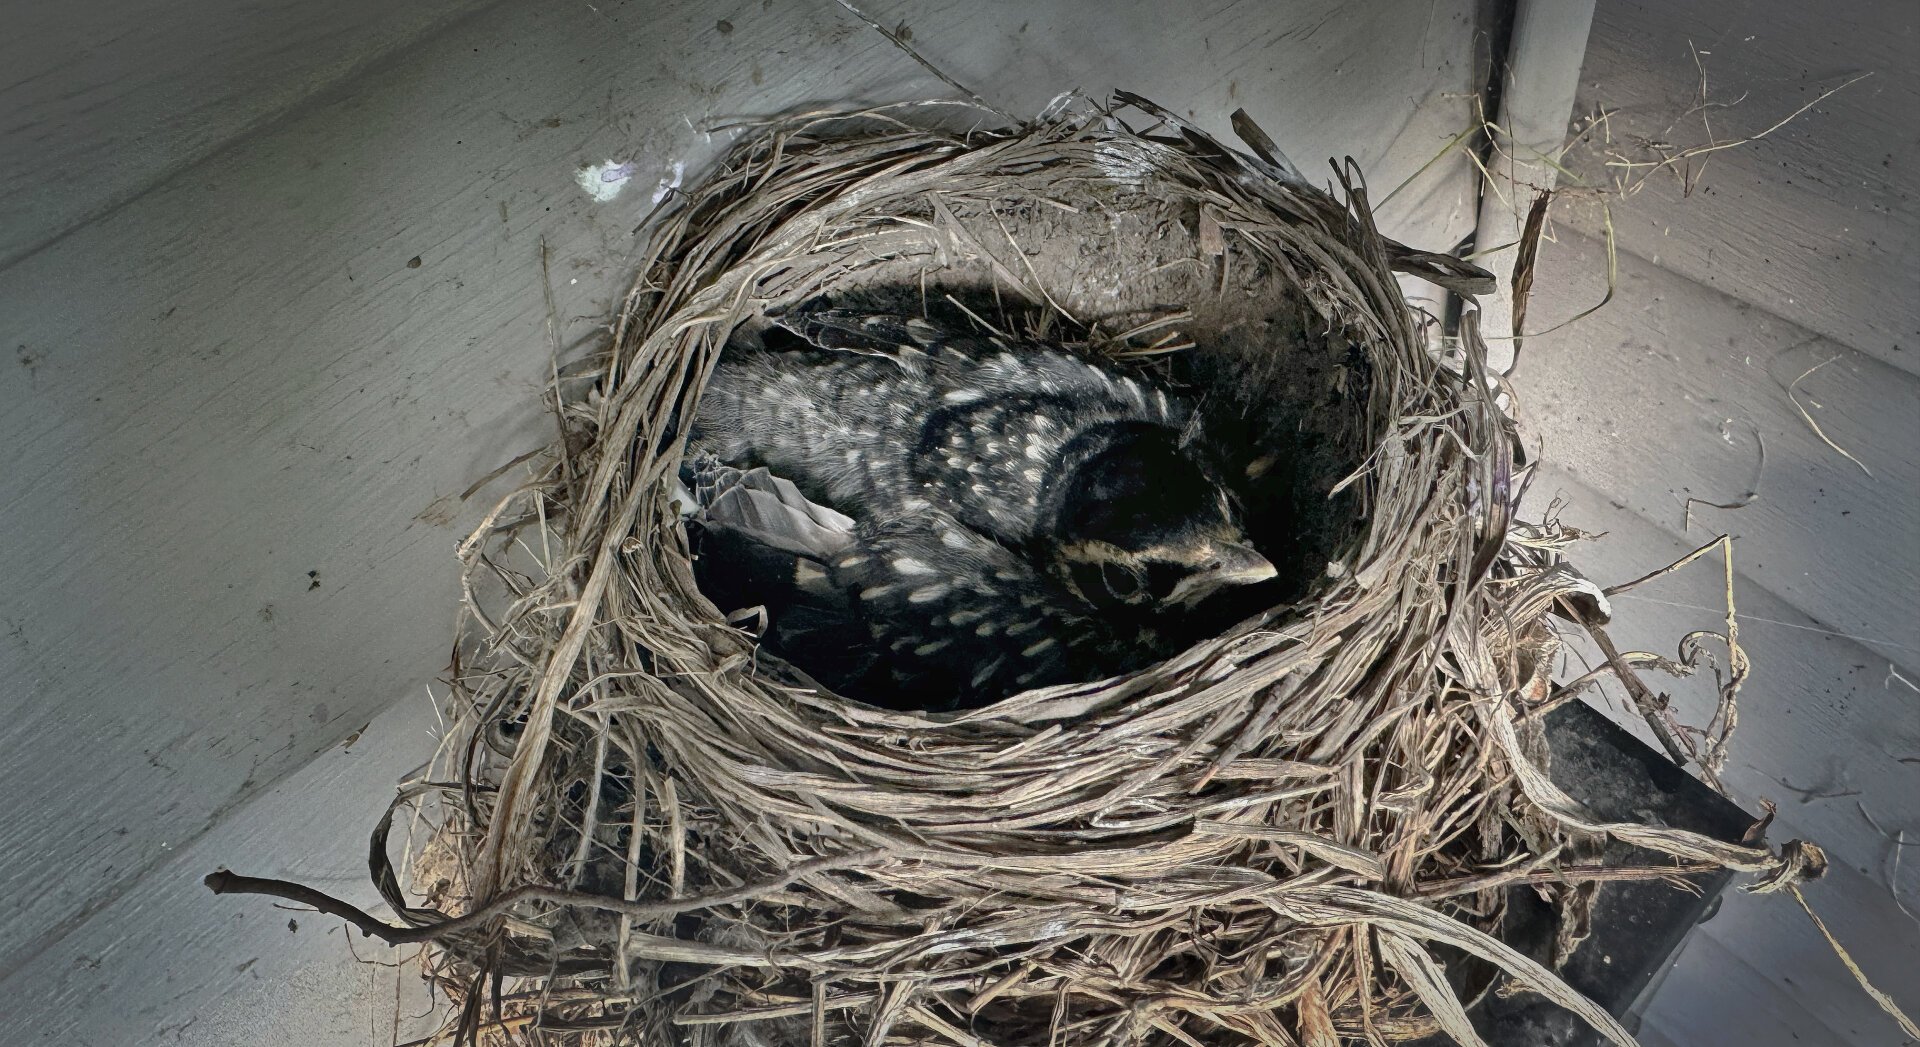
x,y
1808,794
1615,590
1522,281
1893,876
225,882
497,473
1817,431
1886,1002
553,359
895,39
1038,284
1750,618
1644,700
1613,282
1572,689
1452,144
1898,843
1753,489
975,317
1727,713
1459,885
1650,167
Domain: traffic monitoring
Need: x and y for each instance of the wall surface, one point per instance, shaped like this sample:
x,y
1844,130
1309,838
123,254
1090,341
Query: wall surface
x,y
272,299
105,101
239,418
1815,222
1739,270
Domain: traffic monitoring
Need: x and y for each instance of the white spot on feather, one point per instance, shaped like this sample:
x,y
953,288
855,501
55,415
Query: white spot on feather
x,y
986,671
909,565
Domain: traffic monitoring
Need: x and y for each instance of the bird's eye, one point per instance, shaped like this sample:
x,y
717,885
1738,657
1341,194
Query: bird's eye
x,y
1162,578
1122,581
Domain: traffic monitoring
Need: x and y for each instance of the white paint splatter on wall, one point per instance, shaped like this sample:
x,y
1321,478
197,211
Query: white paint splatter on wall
x,y
603,181
671,182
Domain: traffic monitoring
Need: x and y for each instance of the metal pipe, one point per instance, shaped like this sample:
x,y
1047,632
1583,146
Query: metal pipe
x,y
1544,55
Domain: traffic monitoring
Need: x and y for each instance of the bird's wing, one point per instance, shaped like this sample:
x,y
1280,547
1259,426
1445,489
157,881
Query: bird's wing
x,y
768,510
760,543
995,367
960,618
900,338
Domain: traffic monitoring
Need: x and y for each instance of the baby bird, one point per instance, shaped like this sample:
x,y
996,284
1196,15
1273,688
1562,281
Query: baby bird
x,y
1019,516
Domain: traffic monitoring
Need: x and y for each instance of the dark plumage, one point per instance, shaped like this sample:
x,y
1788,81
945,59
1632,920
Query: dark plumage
x,y
1015,516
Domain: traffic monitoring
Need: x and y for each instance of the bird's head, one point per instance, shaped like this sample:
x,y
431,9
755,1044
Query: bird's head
x,y
1142,524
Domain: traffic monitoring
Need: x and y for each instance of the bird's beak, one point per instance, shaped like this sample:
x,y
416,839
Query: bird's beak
x,y
1230,565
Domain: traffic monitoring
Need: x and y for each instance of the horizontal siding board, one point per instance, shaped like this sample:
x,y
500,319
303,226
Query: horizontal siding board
x,y
1658,398
1816,222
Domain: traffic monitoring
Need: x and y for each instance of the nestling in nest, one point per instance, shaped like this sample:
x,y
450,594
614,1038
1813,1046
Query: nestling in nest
x,y
1022,517
1259,827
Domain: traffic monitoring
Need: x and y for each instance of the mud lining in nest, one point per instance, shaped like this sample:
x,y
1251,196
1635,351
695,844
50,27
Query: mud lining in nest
x,y
1267,839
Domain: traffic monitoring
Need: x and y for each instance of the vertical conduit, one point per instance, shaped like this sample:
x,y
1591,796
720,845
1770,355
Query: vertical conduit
x,y
1543,59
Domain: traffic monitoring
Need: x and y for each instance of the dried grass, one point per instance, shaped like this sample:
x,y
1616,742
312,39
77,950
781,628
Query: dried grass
x,y
659,835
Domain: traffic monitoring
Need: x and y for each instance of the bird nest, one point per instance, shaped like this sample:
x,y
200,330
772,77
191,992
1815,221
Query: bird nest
x,y
1298,831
